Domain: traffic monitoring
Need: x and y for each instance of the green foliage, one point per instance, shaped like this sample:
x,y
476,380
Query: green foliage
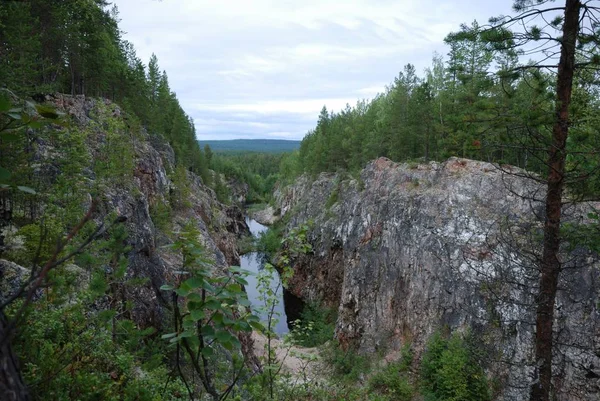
x,y
38,241
582,234
348,366
450,370
315,327
296,242
269,241
181,192
16,118
161,215
246,244
115,159
333,197
76,339
214,304
258,170
77,47
393,381
221,189
210,309
72,354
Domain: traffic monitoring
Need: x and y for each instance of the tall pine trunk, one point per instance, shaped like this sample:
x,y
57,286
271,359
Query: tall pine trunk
x,y
12,387
550,264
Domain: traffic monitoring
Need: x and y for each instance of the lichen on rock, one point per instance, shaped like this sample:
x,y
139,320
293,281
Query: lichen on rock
x,y
415,248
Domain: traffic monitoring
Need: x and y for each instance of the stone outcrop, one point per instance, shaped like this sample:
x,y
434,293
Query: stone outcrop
x,y
410,249
137,193
12,277
266,216
150,187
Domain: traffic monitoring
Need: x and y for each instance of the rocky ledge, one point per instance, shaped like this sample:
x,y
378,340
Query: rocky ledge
x,y
411,249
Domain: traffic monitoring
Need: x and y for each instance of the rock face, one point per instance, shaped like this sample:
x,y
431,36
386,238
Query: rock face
x,y
141,194
147,189
411,249
266,216
12,276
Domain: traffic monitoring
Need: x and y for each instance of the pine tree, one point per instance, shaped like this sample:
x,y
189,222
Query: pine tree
x,y
563,36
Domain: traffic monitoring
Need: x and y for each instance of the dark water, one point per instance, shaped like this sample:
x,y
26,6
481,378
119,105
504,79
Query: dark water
x,y
253,262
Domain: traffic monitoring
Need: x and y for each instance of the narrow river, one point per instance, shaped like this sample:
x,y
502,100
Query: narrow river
x,y
254,263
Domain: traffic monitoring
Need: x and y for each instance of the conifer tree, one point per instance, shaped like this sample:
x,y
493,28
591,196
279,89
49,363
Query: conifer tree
x,y
561,38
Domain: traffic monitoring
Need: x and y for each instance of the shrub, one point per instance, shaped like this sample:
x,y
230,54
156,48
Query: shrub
x,y
333,198
315,327
450,372
246,244
161,215
393,381
73,354
269,241
37,240
348,365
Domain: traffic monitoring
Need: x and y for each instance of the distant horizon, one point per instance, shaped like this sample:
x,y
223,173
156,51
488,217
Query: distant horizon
x,y
232,137
250,139
263,145
266,68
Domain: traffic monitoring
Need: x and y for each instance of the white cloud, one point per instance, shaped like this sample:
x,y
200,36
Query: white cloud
x,y
371,91
248,60
305,106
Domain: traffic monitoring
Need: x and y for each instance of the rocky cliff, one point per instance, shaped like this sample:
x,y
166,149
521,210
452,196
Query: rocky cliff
x,y
409,249
146,194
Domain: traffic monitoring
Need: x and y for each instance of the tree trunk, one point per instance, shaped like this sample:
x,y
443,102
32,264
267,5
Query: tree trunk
x,y
550,265
12,387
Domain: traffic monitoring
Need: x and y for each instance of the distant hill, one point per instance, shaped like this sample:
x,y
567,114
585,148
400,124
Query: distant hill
x,y
252,145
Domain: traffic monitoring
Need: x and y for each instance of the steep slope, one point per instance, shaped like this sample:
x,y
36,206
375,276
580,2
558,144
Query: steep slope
x,y
105,158
408,250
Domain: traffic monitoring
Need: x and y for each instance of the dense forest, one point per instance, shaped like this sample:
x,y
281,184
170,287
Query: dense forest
x,y
479,102
76,47
252,145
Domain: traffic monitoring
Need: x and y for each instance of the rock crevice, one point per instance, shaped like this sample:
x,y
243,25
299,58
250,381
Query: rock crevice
x,y
410,249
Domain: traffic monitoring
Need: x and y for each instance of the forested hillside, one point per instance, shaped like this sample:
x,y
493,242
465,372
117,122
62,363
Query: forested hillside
x,y
104,203
479,102
76,47
252,145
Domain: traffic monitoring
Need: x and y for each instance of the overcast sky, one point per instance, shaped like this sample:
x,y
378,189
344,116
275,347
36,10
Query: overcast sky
x,y
264,69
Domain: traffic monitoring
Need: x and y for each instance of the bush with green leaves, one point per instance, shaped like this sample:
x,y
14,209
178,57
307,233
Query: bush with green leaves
x,y
115,159
348,365
210,310
37,242
269,241
315,327
450,370
181,192
246,244
394,381
76,339
161,214
71,354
